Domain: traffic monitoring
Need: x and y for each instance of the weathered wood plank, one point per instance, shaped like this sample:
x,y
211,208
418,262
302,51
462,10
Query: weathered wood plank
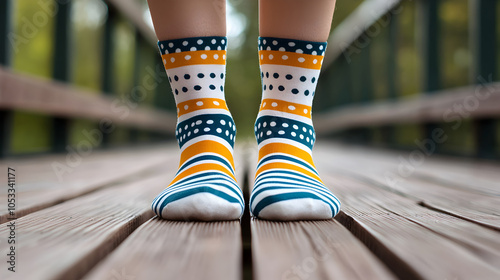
x,y
39,186
23,92
162,249
66,240
472,196
418,242
427,244
311,250
179,250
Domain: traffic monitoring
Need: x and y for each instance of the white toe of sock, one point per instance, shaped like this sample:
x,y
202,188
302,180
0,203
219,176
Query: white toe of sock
x,y
202,207
297,209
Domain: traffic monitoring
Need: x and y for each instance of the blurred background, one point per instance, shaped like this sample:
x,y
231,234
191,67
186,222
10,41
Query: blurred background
x,y
413,48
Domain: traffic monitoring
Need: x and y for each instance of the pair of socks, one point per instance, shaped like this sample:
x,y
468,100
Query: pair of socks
x,y
287,185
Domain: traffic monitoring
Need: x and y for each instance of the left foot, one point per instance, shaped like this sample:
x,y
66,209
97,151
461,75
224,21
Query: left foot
x,y
287,185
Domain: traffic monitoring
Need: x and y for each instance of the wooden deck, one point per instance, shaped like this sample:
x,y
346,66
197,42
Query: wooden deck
x,y
438,218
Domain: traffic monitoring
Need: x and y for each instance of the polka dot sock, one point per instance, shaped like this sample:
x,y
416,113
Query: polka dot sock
x,y
204,187
287,185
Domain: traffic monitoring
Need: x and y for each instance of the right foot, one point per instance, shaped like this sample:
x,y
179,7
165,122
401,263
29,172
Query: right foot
x,y
287,185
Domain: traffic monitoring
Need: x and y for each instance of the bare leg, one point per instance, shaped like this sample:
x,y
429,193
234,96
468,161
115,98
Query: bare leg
x,y
298,19
174,19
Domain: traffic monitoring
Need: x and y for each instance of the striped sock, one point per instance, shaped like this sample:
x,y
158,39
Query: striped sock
x,y
287,185
204,187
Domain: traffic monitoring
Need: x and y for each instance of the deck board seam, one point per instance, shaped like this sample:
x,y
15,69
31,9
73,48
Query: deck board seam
x,y
391,260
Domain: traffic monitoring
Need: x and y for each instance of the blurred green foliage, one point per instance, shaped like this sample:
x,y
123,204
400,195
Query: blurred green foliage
x,y
32,54
243,88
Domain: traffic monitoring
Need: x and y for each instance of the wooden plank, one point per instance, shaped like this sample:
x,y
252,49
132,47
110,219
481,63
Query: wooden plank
x,y
39,186
480,101
467,201
23,92
311,250
415,242
66,240
162,249
159,247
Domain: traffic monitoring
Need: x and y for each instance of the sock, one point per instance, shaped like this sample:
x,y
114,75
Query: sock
x,y
287,185
204,187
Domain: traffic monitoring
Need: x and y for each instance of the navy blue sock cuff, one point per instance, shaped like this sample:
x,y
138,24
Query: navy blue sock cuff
x,y
292,45
193,44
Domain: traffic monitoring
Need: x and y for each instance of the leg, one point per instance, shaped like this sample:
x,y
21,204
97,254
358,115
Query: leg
x,y
296,19
174,19
291,48
193,49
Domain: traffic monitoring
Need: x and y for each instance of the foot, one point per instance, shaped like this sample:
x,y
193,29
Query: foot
x,y
287,185
205,187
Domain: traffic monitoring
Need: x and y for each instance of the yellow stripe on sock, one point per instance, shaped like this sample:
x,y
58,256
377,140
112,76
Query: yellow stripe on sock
x,y
174,60
285,149
285,106
280,165
302,60
206,146
200,104
199,168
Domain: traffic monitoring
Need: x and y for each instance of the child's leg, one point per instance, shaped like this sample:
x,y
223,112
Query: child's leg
x,y
193,49
174,19
296,19
291,48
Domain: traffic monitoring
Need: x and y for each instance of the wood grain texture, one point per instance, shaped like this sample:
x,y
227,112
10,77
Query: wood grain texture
x,y
466,189
308,249
39,186
311,250
24,92
66,240
179,250
437,107
418,242
162,249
